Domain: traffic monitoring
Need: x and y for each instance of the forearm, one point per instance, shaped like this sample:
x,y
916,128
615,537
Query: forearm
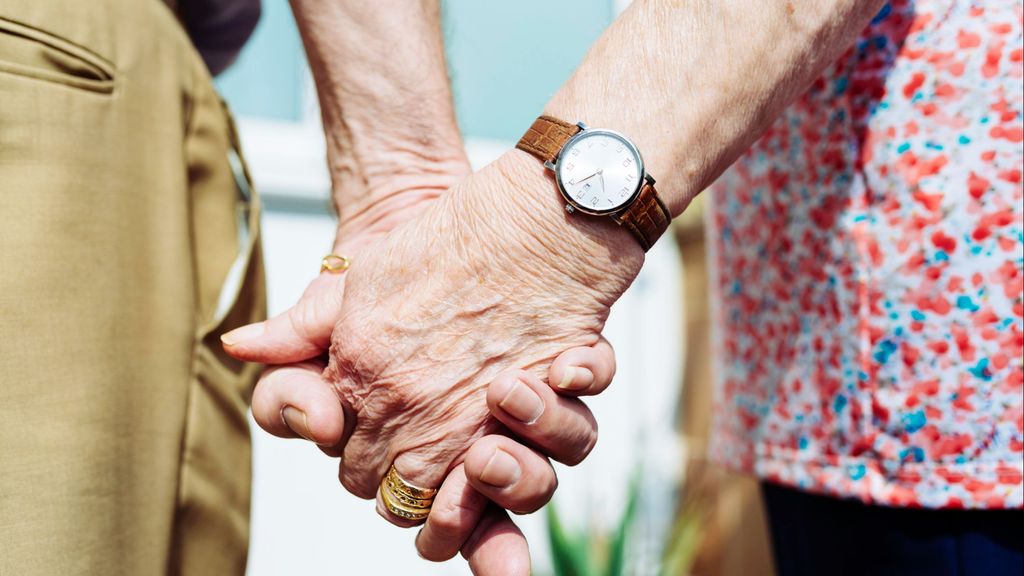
x,y
386,103
693,83
700,80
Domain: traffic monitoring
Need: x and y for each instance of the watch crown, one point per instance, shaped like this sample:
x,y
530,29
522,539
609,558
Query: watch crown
x,y
569,208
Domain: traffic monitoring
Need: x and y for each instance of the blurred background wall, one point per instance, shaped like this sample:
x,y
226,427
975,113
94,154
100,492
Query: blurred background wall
x,y
303,521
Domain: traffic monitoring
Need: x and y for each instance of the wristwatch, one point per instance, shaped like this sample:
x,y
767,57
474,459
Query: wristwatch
x,y
599,172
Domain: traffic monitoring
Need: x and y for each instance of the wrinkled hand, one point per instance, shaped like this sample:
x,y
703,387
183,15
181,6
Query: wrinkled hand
x,y
481,281
303,331
565,429
522,480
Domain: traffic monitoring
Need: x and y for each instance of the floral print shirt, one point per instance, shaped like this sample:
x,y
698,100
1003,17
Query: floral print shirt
x,y
869,270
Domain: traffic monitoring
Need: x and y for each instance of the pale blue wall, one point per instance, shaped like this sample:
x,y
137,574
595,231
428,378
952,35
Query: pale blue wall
x,y
266,80
508,58
505,58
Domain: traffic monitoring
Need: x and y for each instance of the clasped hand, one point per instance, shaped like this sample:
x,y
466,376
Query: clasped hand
x,y
447,341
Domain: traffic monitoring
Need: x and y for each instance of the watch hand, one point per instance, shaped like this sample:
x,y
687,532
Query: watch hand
x,y
582,180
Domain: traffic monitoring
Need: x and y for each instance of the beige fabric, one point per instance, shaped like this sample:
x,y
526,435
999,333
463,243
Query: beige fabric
x,y
123,440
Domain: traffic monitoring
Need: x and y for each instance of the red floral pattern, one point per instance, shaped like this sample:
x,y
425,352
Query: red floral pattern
x,y
869,255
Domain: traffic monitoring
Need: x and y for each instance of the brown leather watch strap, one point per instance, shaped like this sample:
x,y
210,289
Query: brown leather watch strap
x,y
546,137
647,217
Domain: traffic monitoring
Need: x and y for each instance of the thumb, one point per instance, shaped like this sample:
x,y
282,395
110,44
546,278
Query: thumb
x,y
299,333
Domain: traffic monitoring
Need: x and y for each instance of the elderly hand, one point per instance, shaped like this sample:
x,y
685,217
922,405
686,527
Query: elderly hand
x,y
495,468
287,401
486,278
491,275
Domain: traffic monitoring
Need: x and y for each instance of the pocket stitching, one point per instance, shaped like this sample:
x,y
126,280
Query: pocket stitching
x,y
96,63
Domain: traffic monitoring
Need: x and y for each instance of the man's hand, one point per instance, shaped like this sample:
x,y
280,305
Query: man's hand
x,y
293,401
303,332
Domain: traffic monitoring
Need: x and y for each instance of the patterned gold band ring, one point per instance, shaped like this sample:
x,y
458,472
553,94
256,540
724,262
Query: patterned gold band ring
x,y
404,499
407,488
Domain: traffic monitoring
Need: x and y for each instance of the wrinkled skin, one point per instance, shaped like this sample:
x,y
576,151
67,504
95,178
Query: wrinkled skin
x,y
536,296
446,301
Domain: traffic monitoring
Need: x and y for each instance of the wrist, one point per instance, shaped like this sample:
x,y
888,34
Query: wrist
x,y
370,173
593,252
377,193
373,221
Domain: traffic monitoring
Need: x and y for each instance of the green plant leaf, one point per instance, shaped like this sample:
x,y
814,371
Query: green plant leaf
x,y
617,551
684,538
568,555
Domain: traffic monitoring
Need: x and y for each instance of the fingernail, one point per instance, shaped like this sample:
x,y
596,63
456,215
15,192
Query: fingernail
x,y
502,470
522,403
296,421
576,378
247,332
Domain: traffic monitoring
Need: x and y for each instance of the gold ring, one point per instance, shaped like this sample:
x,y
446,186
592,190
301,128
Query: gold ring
x,y
409,489
414,514
334,264
404,499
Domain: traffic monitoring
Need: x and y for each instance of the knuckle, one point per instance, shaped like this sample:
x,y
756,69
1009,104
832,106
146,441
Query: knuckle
x,y
448,518
357,485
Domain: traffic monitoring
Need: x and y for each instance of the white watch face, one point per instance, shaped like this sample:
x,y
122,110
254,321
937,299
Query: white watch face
x,y
599,171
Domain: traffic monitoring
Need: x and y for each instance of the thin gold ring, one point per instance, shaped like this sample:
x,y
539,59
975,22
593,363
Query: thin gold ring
x,y
334,263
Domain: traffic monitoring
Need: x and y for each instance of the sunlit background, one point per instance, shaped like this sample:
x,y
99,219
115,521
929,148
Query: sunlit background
x,y
303,521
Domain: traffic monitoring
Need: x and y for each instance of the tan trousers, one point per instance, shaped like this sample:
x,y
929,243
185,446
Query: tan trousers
x,y
126,247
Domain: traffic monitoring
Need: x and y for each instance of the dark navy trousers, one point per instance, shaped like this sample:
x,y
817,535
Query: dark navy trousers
x,y
821,536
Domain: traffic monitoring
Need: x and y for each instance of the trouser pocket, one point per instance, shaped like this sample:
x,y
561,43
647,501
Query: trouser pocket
x,y
37,54
212,522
